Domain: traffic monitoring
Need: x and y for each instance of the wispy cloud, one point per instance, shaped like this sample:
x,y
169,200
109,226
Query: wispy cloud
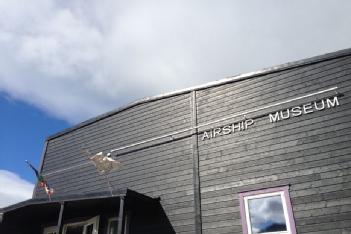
x,y
13,188
76,59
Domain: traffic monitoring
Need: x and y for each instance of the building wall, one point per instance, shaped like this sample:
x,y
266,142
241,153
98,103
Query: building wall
x,y
160,170
311,152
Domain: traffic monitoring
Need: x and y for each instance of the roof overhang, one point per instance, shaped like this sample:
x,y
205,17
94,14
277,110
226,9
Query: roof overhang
x,y
43,211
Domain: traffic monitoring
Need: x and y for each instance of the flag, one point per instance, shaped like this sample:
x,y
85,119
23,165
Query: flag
x,y
40,178
49,191
41,181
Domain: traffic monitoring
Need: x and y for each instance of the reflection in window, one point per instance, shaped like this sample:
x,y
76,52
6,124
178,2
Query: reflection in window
x,y
267,214
267,211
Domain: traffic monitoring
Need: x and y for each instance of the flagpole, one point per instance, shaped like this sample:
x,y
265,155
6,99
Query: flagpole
x,y
109,183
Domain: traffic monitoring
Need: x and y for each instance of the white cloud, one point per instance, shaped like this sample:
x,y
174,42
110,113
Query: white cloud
x,y
265,211
77,59
13,188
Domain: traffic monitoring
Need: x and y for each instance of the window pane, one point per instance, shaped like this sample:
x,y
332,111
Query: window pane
x,y
74,230
50,230
267,214
90,229
113,227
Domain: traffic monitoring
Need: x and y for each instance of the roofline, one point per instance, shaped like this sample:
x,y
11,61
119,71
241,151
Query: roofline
x,y
66,198
265,71
78,197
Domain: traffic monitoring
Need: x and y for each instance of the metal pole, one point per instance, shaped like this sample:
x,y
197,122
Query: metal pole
x,y
120,215
59,222
109,184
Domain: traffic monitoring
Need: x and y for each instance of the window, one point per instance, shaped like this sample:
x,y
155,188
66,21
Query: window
x,y
112,226
50,230
89,226
267,211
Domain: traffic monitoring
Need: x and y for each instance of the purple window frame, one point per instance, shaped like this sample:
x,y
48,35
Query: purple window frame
x,y
284,189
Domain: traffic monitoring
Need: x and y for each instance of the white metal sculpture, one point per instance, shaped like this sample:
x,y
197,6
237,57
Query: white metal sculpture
x,y
104,165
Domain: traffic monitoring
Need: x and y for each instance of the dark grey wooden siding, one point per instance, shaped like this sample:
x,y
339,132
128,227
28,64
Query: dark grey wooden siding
x,y
163,170
310,152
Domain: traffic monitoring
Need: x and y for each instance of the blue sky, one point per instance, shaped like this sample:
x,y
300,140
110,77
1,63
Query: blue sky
x,y
24,129
63,62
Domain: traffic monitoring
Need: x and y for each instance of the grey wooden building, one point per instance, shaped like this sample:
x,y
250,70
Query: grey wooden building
x,y
264,152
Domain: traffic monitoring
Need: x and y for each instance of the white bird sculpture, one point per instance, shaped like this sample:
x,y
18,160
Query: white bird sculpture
x,y
104,163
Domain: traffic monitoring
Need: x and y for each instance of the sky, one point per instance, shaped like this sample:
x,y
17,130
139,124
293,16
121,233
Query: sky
x,y
65,61
266,212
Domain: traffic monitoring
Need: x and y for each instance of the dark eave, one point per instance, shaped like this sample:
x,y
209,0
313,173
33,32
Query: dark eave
x,y
282,67
78,197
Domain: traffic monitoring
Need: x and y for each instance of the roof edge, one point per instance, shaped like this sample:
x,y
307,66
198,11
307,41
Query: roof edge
x,y
230,79
77,197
